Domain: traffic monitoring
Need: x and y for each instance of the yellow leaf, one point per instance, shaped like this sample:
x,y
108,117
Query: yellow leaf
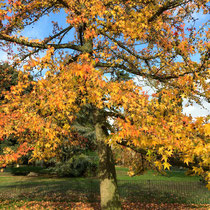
x,y
47,145
164,157
207,129
166,165
186,161
158,164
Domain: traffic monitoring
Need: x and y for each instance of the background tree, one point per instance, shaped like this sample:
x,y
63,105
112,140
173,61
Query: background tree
x,y
131,38
8,78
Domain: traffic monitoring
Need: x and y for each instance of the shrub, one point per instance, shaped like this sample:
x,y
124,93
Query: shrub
x,y
76,166
25,170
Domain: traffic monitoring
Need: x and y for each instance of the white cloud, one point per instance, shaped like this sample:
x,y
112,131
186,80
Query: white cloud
x,y
196,110
3,56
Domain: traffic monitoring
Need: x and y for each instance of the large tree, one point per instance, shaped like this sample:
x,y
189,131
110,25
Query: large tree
x,y
114,43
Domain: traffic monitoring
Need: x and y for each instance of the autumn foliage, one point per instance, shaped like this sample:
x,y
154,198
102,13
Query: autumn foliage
x,y
115,42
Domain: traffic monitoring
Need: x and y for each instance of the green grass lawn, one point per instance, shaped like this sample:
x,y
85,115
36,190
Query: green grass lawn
x,y
176,187
172,175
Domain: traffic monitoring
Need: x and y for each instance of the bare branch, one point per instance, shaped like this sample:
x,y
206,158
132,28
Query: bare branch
x,y
133,70
127,49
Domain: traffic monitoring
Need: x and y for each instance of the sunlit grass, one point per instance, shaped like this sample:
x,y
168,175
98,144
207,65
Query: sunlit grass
x,y
172,175
176,187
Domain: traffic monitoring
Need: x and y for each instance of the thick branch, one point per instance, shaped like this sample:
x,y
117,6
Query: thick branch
x,y
135,149
168,5
39,45
63,3
115,114
161,78
71,60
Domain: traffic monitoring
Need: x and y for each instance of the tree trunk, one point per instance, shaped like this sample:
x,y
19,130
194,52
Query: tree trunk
x,y
110,199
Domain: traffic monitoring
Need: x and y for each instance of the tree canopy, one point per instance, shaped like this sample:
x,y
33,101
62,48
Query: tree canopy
x,y
114,43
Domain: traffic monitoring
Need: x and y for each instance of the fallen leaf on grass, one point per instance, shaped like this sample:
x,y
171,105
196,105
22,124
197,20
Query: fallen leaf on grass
x,y
56,205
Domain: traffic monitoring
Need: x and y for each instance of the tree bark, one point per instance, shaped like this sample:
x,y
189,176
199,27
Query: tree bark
x,y
110,199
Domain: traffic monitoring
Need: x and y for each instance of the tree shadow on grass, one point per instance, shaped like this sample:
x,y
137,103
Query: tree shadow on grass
x,y
87,190
164,192
56,190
